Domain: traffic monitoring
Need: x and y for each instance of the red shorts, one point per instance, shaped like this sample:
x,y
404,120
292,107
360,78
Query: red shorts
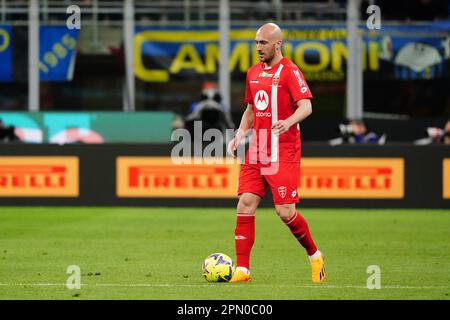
x,y
283,181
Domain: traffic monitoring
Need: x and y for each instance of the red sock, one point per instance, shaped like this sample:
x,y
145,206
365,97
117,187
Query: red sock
x,y
244,236
300,230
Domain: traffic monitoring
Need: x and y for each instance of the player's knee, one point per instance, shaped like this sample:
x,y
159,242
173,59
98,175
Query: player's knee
x,y
285,211
247,204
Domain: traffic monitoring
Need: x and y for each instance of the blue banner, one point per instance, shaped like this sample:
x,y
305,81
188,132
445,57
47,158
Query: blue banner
x,y
416,52
5,53
57,52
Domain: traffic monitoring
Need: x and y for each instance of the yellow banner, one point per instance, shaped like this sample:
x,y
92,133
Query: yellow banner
x,y
39,176
446,178
160,54
159,177
350,178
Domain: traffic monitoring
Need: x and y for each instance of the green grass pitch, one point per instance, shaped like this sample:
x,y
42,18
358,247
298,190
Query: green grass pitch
x,y
157,253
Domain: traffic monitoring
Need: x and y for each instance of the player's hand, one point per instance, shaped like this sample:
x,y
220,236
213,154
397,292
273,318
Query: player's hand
x,y
234,143
232,147
280,127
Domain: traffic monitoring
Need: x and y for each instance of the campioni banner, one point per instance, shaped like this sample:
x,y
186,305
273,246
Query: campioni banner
x,y
446,178
28,176
320,51
5,53
352,178
159,177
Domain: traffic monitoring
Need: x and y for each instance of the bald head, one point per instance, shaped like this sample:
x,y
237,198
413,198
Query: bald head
x,y
268,41
270,31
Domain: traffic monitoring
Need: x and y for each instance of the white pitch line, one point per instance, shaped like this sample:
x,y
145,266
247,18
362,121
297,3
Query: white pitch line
x,y
33,284
318,286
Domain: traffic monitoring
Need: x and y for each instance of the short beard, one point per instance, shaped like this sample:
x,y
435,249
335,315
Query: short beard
x,y
270,58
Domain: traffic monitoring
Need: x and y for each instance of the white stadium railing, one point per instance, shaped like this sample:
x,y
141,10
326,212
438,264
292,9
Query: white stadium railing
x,y
174,12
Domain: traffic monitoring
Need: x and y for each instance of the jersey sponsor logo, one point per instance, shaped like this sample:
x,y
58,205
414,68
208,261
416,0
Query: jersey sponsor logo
x,y
282,191
263,114
352,178
158,177
301,82
254,81
265,75
261,100
39,177
299,77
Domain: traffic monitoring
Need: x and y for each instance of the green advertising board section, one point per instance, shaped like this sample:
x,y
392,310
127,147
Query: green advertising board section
x,y
90,127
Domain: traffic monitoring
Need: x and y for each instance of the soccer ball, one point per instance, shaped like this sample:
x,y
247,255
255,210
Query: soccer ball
x,y
218,267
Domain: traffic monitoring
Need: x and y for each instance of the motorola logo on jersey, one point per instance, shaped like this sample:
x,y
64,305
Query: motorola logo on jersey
x,y
261,100
263,114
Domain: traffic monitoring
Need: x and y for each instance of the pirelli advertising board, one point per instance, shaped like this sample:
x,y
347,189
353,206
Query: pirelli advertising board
x,y
28,176
446,178
391,176
159,177
345,178
352,178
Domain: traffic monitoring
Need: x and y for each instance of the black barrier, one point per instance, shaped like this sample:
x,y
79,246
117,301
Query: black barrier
x,y
423,176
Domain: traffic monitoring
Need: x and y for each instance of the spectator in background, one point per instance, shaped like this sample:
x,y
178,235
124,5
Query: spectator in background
x,y
356,132
447,133
436,135
7,133
209,110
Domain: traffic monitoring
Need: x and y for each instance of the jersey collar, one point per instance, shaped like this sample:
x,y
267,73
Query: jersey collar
x,y
274,66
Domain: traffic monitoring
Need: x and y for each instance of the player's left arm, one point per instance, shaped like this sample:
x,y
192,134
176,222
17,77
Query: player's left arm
x,y
303,111
299,92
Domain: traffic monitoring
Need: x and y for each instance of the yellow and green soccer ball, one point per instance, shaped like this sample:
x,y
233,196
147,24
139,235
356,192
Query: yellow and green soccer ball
x,y
218,267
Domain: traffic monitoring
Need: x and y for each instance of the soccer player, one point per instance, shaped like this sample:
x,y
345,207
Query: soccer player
x,y
277,98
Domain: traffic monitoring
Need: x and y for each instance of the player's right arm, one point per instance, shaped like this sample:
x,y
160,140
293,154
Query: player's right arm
x,y
246,124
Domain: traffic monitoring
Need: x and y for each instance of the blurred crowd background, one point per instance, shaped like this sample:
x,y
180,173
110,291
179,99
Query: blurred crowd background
x,y
397,102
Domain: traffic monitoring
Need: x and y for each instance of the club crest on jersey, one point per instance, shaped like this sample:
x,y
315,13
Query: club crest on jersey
x,y
265,75
275,81
282,191
261,100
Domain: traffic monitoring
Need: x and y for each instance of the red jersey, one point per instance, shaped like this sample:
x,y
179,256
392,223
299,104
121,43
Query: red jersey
x,y
273,93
